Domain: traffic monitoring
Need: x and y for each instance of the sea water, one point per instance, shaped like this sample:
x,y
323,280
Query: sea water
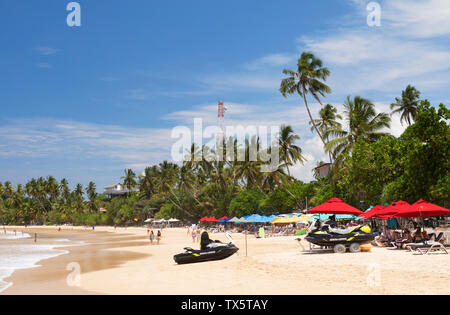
x,y
18,251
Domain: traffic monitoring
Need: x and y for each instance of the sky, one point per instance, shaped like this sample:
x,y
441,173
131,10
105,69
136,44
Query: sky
x,y
86,102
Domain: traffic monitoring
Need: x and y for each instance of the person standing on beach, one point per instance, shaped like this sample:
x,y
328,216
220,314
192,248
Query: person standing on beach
x,y
194,235
152,237
158,237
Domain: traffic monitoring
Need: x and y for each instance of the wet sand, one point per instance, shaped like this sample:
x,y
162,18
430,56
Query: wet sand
x,y
123,262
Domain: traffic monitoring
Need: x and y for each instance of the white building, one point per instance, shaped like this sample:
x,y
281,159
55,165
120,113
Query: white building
x,y
118,190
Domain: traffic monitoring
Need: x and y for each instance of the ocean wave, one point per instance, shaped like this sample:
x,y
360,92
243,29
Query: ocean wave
x,y
23,256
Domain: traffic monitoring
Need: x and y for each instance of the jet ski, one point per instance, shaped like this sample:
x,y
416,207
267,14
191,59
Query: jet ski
x,y
341,239
209,250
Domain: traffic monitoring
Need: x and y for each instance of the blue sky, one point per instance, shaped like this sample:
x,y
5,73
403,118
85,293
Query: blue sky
x,y
86,102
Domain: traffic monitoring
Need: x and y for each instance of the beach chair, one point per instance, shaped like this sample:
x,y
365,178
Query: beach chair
x,y
433,246
281,233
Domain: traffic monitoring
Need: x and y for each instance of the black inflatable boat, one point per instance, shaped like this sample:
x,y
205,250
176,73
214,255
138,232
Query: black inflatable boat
x,y
210,250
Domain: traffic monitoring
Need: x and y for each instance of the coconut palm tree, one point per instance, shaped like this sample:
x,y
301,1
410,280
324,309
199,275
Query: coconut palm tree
x,y
328,119
52,188
149,181
91,191
79,191
407,104
129,179
290,153
362,122
64,187
9,189
307,79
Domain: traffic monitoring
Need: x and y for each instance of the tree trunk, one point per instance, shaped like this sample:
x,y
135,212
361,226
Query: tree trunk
x,y
292,195
311,118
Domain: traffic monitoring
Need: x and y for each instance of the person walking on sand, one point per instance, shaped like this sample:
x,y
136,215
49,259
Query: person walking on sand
x,y
194,235
152,237
158,237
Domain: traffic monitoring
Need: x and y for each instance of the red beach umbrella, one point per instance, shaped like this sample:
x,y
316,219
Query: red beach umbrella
x,y
422,208
211,219
335,206
204,219
372,212
395,209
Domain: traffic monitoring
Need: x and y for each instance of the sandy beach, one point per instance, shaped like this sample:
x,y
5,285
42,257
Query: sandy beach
x,y
122,261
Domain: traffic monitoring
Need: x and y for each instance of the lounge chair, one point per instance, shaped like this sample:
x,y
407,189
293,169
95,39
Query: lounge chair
x,y
429,247
281,233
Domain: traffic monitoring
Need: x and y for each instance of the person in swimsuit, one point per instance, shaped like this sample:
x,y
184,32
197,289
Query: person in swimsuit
x,y
158,237
152,237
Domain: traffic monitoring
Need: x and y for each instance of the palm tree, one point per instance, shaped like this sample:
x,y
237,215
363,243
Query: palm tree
x,y
289,152
52,188
79,191
327,120
307,79
249,170
9,189
148,183
92,195
362,123
64,187
407,104
129,180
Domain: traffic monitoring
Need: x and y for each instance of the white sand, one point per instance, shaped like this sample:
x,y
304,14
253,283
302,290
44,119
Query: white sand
x,y
273,266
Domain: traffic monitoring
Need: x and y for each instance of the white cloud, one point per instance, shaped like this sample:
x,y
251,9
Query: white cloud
x,y
424,18
56,138
364,59
43,50
270,60
43,65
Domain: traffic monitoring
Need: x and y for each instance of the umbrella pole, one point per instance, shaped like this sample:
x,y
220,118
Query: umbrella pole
x,y
246,242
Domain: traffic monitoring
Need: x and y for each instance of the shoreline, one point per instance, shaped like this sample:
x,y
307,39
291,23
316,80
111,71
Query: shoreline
x,y
122,261
51,275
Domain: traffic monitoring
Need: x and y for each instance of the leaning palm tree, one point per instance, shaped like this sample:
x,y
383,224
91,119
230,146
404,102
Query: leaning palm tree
x,y
290,153
362,122
307,79
407,104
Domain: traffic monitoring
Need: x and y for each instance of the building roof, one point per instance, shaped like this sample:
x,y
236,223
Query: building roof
x,y
112,186
324,164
